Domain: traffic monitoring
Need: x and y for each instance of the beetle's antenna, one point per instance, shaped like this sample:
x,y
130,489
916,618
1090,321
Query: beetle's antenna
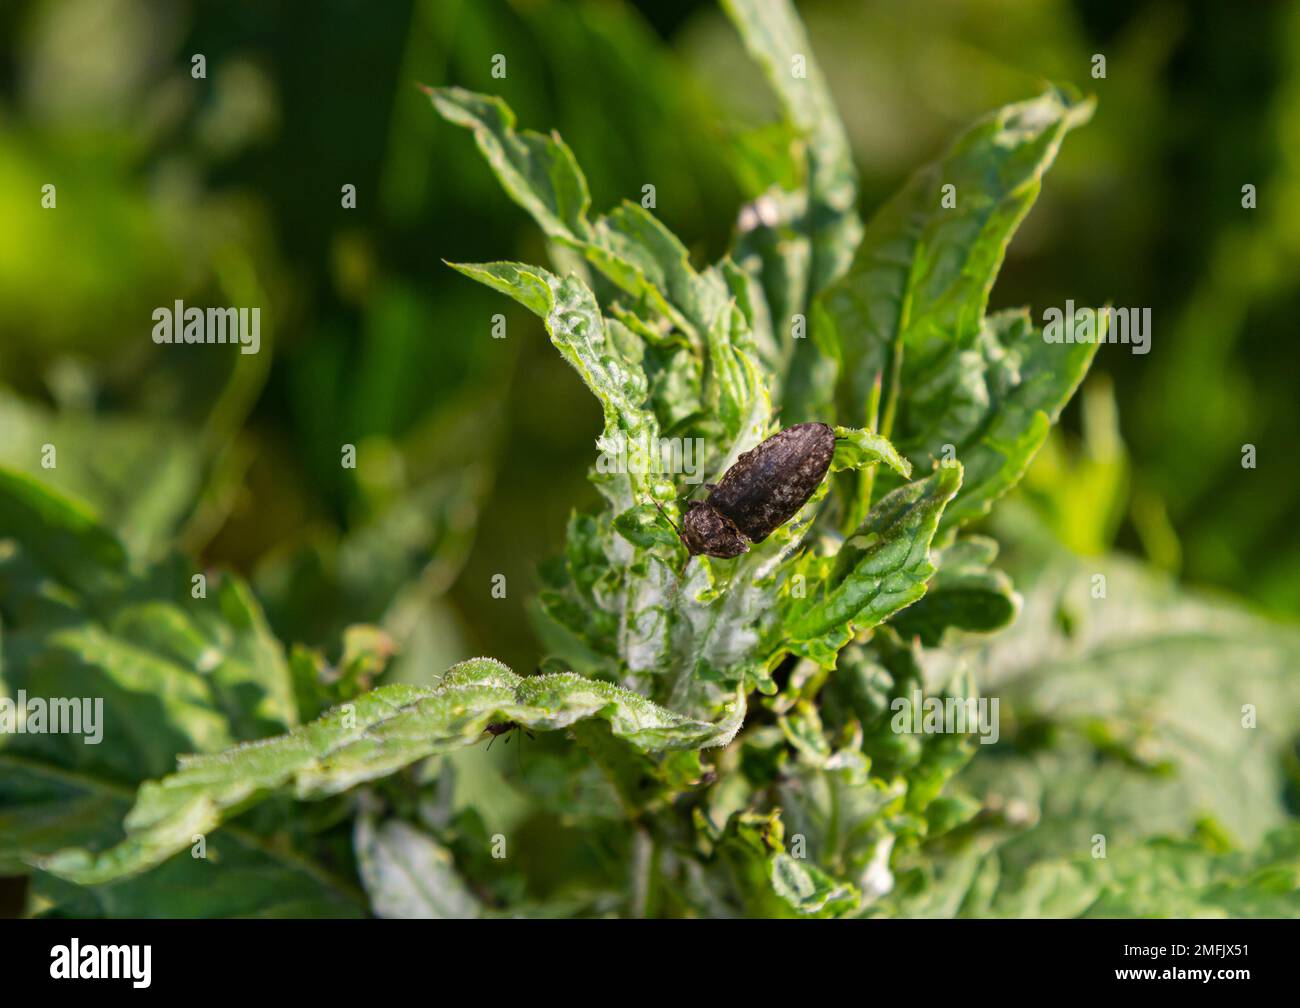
x,y
665,514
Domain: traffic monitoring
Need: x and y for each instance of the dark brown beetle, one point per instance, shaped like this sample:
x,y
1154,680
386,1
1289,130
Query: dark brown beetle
x,y
760,493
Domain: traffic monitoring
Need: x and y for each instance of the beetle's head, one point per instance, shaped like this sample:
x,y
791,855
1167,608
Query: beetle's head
x,y
707,531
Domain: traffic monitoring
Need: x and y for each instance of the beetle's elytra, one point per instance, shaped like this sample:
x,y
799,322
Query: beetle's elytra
x,y
760,493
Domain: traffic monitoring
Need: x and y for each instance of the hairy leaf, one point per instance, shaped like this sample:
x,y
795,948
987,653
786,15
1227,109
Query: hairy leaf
x,y
628,246
173,673
997,421
1164,709
880,569
809,889
538,172
966,594
1156,878
906,319
857,449
380,732
408,875
795,242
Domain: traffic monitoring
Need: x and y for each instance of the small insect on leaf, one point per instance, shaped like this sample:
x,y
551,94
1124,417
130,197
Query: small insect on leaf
x,y
504,728
760,493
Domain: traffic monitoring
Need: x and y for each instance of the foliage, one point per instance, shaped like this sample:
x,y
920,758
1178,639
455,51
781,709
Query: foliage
x,y
716,736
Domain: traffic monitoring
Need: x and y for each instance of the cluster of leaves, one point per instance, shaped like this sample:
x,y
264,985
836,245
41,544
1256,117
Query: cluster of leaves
x,y
1146,763
734,749
711,356
808,317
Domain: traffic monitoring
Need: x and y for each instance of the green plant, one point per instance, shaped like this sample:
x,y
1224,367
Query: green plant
x,y
729,742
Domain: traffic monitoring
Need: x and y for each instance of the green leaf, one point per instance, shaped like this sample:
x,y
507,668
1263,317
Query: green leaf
x,y
142,475
645,527
1143,695
538,172
614,596
61,535
777,257
319,685
629,246
776,39
1158,878
844,813
1024,383
202,671
241,874
764,157
735,394
966,594
802,728
857,449
578,331
1185,880
408,875
906,319
796,242
380,732
642,781
809,889
1124,717
632,235
879,570
174,673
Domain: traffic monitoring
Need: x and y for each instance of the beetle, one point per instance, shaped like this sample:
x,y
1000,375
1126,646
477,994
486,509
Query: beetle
x,y
759,493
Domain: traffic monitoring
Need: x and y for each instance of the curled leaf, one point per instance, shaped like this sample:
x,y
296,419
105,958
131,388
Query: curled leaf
x,y
378,733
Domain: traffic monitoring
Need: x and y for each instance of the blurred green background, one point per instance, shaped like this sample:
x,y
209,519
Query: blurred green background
x,y
473,450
